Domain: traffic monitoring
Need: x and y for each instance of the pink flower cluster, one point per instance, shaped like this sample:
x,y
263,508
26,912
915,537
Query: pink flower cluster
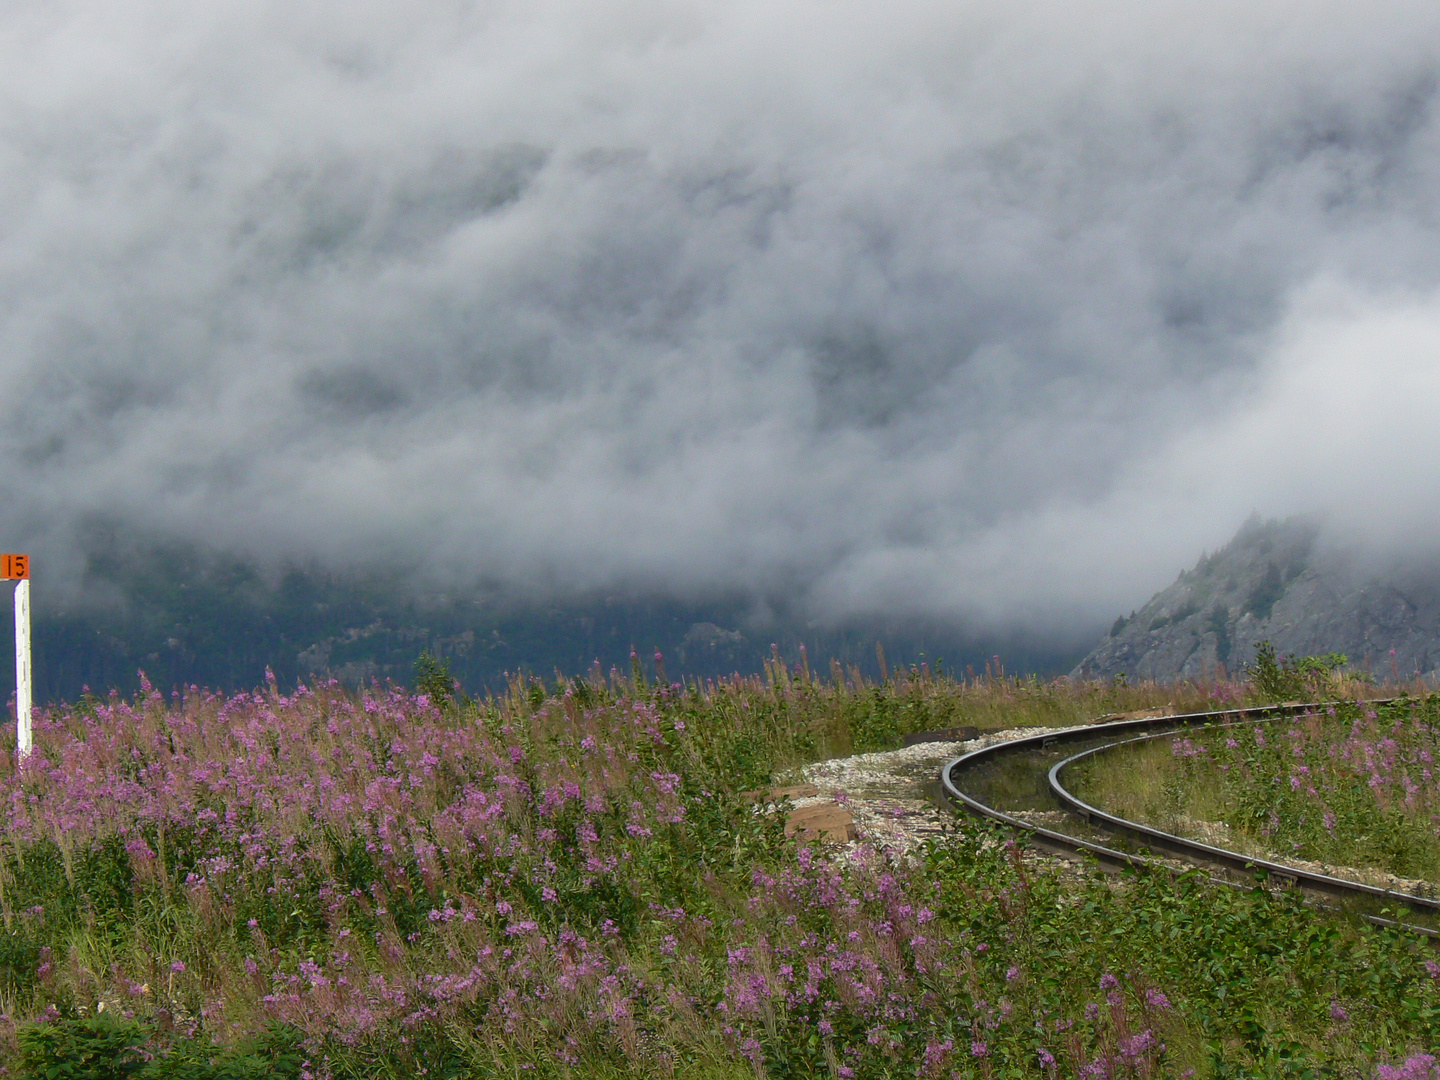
x,y
266,804
1321,782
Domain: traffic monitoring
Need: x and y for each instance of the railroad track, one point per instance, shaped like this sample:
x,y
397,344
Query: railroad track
x,y
1021,784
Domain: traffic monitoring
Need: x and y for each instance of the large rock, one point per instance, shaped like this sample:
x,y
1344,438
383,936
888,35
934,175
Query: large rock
x,y
1277,581
821,821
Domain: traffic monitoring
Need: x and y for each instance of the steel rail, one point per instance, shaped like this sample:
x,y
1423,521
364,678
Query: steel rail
x,y
1189,850
1195,851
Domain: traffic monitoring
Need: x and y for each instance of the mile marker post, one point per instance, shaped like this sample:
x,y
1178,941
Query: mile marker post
x,y
17,568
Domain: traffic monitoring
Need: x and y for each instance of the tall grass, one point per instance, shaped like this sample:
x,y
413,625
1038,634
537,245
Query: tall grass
x,y
1349,784
564,882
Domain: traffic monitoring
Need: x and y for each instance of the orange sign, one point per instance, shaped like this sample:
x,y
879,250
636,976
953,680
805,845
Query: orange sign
x,y
14,566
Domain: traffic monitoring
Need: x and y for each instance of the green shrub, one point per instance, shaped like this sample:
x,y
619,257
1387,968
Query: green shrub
x,y
433,679
107,1047
1291,678
90,1048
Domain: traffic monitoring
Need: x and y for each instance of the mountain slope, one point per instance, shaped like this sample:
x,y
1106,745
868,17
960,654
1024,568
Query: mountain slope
x,y
1275,581
187,616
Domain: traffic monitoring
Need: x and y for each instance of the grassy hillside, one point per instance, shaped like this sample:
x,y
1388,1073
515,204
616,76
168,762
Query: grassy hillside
x,y
563,881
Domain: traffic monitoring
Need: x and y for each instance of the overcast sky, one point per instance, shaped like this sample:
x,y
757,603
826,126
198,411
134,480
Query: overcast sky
x,y
994,311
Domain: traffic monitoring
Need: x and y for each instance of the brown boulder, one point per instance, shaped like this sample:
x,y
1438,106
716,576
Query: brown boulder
x,y
821,821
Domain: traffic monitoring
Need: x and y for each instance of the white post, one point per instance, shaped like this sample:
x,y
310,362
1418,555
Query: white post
x,y
22,667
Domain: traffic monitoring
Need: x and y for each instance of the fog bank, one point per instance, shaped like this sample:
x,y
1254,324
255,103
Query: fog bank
x,y
988,312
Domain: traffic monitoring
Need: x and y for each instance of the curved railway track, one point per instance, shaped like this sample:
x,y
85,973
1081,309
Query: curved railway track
x,y
1021,784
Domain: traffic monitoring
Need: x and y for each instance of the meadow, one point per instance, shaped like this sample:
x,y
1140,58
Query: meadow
x,y
565,882
1350,785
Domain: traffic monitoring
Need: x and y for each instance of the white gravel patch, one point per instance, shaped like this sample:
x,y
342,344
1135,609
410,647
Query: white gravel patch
x,y
889,793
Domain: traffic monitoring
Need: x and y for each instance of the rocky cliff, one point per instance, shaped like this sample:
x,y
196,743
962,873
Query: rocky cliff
x,y
1276,581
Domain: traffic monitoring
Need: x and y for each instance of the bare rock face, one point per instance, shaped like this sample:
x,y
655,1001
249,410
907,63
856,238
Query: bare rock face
x,y
1276,582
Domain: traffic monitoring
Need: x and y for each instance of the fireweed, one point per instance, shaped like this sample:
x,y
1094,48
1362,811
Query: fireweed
x,y
566,884
1350,784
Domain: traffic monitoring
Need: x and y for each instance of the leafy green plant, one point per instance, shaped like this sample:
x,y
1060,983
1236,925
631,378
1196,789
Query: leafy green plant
x,y
1230,982
433,679
105,1047
91,1048
1291,678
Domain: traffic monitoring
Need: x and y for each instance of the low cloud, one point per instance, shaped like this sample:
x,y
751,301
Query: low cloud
x,y
988,312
